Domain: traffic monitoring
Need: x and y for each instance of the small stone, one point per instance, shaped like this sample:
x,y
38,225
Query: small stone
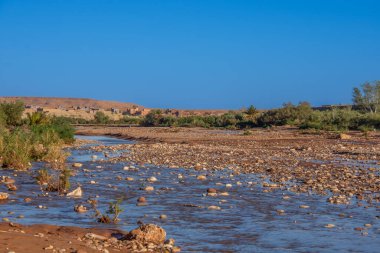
x,y
149,188
304,206
329,226
80,209
76,193
152,179
129,179
211,190
214,208
228,185
27,200
49,247
201,177
368,225
141,200
163,217
6,219
4,195
77,165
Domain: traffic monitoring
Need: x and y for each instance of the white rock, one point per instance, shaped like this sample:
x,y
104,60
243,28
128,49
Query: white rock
x,y
76,193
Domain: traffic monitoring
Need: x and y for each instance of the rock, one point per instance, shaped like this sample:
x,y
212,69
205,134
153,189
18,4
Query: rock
x,y
152,179
12,187
329,226
148,233
94,157
76,193
49,247
224,194
211,190
149,188
198,166
368,225
344,136
163,217
27,200
95,237
304,206
6,219
228,185
4,195
201,177
80,209
129,179
141,200
92,182
77,165
126,168
214,208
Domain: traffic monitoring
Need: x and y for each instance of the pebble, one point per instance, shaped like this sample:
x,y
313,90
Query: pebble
x,y
152,179
77,165
149,188
211,190
304,206
228,185
49,247
141,200
163,217
329,226
214,208
201,177
129,178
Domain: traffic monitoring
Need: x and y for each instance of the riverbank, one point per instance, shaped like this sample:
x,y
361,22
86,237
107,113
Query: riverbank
x,y
61,239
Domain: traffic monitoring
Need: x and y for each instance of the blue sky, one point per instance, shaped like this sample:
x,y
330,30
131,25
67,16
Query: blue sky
x,y
190,54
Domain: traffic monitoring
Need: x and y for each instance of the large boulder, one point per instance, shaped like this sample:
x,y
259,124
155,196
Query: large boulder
x,y
148,233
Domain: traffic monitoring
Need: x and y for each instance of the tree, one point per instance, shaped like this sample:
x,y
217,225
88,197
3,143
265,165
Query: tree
x,y
251,110
101,118
13,112
367,97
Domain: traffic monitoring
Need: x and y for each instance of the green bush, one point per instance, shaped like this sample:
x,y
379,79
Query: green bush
x,y
16,151
12,112
101,118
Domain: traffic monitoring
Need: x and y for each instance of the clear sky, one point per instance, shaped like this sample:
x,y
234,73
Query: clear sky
x,y
190,53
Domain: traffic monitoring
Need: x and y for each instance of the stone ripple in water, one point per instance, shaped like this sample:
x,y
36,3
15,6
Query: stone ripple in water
x,y
247,222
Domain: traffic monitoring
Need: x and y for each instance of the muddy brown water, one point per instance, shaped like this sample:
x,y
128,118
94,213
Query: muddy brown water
x,y
247,222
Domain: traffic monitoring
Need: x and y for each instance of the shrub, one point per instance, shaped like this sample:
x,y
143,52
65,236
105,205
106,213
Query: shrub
x,y
101,118
16,151
13,113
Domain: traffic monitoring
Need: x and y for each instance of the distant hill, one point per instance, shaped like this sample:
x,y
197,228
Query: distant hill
x,y
54,102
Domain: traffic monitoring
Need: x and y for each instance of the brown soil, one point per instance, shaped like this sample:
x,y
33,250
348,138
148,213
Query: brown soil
x,y
36,238
48,238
